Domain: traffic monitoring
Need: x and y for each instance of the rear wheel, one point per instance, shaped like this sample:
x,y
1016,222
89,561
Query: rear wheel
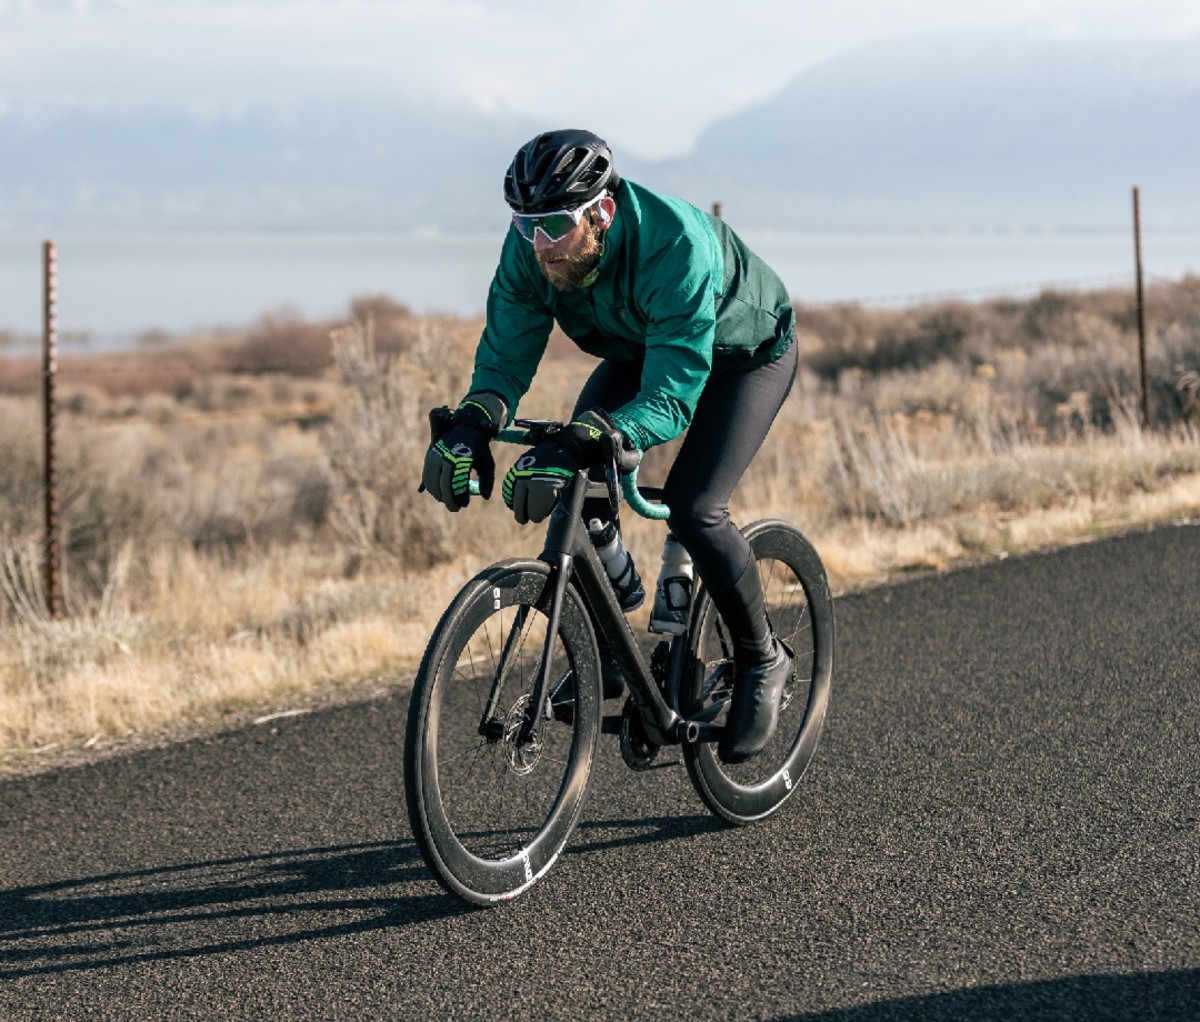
x,y
491,803
800,608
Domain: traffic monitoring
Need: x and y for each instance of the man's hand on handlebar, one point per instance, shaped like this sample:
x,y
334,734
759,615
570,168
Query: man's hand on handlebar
x,y
532,485
461,443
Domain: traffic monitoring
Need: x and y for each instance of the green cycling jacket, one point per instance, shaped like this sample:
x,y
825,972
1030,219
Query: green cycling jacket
x,y
677,291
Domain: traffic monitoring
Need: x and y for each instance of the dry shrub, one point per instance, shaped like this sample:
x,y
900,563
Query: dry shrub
x,y
135,374
21,454
237,486
20,375
284,342
377,439
394,326
221,487
224,392
376,442
86,400
210,516
1047,359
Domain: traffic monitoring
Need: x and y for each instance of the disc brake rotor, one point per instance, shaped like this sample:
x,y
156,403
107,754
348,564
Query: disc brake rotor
x,y
522,757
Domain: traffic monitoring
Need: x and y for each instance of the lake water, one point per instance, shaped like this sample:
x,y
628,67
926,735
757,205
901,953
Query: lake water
x,y
114,287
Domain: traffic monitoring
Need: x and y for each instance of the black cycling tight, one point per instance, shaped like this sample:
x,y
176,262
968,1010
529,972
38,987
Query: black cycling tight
x,y
732,418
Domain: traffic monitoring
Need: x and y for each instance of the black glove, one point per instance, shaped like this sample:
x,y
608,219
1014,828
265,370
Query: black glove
x,y
462,443
532,485
593,439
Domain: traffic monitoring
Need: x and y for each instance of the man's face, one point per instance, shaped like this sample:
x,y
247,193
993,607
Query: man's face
x,y
567,262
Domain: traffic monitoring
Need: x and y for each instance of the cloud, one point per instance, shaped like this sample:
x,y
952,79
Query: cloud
x,y
648,73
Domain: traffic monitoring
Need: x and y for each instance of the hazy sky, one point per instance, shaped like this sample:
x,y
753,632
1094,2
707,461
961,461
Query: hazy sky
x,y
649,74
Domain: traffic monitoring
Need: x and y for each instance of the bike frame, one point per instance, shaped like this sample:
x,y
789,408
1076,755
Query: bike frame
x,y
571,556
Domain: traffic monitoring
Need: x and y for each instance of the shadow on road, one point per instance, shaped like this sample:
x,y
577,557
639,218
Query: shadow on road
x,y
225,905
206,908
1161,996
645,830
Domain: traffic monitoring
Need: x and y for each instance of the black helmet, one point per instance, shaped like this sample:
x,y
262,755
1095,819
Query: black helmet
x,y
559,170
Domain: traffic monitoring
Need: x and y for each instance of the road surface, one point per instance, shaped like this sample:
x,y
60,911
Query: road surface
x,y
1002,822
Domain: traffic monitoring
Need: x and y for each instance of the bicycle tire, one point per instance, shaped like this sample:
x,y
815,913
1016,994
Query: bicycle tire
x,y
489,814
800,607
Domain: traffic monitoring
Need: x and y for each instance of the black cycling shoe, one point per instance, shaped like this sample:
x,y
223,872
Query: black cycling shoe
x,y
754,707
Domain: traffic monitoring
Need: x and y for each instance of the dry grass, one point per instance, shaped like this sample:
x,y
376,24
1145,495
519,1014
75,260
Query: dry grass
x,y
281,628
242,533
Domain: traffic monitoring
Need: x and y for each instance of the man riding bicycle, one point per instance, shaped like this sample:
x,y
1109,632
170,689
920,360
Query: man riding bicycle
x,y
694,332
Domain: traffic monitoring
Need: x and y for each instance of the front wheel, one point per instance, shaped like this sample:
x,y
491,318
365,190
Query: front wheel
x,y
491,803
800,608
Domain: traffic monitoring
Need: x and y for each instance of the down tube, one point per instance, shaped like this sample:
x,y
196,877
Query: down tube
x,y
592,581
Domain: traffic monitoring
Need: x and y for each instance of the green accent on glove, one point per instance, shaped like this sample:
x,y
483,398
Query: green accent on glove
x,y
532,485
482,410
556,477
591,430
461,445
461,473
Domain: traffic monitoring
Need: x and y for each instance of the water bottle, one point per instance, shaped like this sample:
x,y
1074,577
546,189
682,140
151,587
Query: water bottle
x,y
618,565
673,594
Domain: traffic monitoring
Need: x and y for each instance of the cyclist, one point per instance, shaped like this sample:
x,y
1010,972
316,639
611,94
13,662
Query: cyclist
x,y
694,332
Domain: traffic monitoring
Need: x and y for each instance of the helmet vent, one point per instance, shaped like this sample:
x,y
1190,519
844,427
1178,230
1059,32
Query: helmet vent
x,y
557,170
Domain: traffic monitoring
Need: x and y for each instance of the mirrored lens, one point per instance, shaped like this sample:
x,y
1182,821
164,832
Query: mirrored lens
x,y
553,225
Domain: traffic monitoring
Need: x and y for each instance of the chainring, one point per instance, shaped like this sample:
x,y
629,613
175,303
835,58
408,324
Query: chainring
x,y
637,750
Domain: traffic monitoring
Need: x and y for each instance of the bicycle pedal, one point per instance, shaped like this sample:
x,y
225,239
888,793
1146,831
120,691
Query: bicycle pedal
x,y
719,684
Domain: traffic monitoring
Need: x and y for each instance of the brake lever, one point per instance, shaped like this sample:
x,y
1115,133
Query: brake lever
x,y
612,480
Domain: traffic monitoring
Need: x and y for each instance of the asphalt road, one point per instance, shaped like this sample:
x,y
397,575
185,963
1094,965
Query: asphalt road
x,y
1002,822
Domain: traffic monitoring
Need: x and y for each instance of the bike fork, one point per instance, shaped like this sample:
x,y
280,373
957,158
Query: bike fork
x,y
565,521
491,724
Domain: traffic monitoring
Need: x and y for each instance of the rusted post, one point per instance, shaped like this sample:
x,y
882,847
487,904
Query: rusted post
x,y
49,370
1141,303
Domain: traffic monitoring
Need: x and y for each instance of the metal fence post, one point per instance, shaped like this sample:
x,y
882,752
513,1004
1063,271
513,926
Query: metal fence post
x,y
49,370
1141,303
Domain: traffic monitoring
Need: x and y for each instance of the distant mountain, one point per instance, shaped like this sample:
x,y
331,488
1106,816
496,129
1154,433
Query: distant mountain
x,y
323,167
975,131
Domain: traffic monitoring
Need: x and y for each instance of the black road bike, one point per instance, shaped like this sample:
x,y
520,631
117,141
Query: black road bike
x,y
506,712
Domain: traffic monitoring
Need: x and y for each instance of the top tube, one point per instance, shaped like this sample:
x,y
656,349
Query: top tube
x,y
633,496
